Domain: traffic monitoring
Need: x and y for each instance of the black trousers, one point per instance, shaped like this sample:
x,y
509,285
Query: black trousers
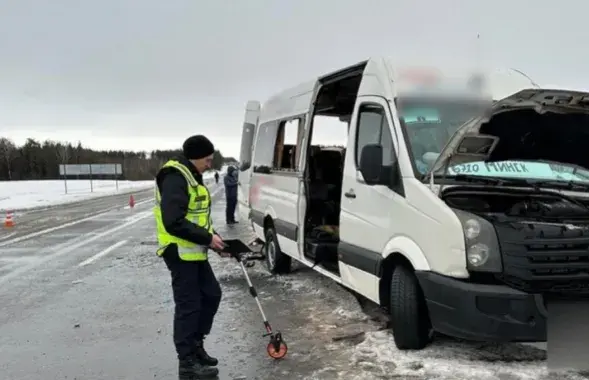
x,y
197,295
230,209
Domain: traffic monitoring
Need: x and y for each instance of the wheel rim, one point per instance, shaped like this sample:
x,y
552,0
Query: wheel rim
x,y
271,254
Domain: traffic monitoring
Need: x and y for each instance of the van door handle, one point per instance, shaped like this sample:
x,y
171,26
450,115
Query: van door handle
x,y
350,194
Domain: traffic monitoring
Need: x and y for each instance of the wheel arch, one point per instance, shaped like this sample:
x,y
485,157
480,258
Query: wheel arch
x,y
387,266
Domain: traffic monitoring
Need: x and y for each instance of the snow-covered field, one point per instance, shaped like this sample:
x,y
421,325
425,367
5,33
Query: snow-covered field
x,y
21,195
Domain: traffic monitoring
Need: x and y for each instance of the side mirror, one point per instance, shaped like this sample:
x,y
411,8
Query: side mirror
x,y
371,163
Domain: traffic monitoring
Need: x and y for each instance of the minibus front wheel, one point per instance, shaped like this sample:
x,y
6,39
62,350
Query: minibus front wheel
x,y
409,314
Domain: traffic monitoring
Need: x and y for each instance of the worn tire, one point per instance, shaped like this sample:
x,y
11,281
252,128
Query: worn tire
x,y
276,261
409,314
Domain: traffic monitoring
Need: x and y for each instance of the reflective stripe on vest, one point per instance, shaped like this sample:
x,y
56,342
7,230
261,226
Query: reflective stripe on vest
x,y
199,213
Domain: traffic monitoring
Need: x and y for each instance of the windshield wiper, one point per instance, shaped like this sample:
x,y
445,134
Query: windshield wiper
x,y
536,184
475,178
568,185
577,170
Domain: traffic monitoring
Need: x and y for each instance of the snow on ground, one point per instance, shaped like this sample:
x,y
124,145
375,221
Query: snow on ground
x,y
22,195
332,311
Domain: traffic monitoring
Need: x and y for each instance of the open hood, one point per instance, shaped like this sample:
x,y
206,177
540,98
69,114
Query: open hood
x,y
478,138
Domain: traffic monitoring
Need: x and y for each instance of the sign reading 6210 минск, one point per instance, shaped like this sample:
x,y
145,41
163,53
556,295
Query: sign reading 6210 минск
x,y
515,169
490,168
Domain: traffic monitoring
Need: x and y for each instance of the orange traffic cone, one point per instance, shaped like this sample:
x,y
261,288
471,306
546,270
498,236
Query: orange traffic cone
x,y
131,201
8,221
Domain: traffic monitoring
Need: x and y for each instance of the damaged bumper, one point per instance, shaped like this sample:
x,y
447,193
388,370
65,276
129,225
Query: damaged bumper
x,y
483,312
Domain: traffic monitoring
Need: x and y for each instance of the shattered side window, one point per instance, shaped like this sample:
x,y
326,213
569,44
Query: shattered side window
x,y
247,141
265,144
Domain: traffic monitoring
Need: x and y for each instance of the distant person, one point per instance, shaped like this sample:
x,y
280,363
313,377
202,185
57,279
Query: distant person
x,y
185,237
216,177
230,182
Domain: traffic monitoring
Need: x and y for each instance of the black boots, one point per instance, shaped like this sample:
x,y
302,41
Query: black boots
x,y
199,366
203,357
193,370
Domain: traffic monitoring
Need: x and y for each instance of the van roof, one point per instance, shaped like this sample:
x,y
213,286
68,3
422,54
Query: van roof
x,y
297,100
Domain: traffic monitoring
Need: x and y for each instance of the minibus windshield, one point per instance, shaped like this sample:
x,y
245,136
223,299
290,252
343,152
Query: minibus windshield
x,y
429,122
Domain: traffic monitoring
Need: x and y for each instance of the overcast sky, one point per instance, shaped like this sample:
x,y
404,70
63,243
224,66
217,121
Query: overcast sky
x,y
145,74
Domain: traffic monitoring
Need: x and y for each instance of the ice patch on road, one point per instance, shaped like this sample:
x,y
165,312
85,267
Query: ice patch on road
x,y
439,361
20,195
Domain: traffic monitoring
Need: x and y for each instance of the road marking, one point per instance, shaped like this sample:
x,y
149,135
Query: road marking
x,y
102,253
7,236
68,248
5,242
59,227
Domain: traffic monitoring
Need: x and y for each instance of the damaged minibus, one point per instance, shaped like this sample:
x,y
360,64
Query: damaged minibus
x,y
454,213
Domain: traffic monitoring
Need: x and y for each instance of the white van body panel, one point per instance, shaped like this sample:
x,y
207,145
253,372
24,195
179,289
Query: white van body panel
x,y
279,201
278,193
291,102
277,198
379,222
248,138
360,281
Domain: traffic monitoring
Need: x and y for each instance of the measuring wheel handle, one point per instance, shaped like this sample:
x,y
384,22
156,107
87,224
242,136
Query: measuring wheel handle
x,y
277,347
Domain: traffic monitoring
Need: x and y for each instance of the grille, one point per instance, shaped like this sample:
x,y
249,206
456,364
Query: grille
x,y
545,258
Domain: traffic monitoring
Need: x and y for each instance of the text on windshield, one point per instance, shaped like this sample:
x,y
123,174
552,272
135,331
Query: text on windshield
x,y
491,167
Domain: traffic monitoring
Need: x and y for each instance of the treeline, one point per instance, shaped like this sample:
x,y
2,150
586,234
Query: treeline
x,y
36,160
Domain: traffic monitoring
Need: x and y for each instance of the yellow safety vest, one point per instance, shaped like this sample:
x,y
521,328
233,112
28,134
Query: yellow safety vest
x,y
199,213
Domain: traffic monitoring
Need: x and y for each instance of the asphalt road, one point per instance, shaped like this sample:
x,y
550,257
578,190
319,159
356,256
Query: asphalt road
x,y
30,222
92,301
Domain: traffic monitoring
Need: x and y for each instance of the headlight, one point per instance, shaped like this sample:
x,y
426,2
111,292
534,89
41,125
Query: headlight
x,y
482,247
472,229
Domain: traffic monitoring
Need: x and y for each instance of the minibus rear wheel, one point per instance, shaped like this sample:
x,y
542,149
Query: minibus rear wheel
x,y
276,260
409,314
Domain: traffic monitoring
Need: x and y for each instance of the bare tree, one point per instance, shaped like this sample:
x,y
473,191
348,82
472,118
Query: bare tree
x,y
7,150
63,153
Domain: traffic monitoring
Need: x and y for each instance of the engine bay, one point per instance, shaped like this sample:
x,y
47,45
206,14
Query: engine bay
x,y
543,236
527,204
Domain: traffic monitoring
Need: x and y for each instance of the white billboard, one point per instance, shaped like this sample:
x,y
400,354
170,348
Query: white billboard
x,y
90,169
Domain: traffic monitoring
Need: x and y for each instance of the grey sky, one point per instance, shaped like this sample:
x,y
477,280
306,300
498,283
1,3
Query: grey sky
x,y
143,74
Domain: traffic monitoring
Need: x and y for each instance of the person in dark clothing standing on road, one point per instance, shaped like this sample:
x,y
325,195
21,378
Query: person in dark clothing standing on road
x,y
230,181
216,176
185,235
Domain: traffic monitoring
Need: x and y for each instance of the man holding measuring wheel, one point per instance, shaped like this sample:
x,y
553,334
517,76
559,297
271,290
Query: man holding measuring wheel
x,y
185,235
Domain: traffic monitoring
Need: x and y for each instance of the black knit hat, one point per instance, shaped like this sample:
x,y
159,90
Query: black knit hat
x,y
197,146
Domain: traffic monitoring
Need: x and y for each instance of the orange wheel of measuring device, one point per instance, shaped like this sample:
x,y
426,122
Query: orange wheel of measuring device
x,y
273,353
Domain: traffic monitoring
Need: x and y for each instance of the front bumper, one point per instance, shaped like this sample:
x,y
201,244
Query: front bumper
x,y
483,312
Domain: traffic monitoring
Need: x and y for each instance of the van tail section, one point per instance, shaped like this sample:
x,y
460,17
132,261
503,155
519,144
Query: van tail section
x,y
248,134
